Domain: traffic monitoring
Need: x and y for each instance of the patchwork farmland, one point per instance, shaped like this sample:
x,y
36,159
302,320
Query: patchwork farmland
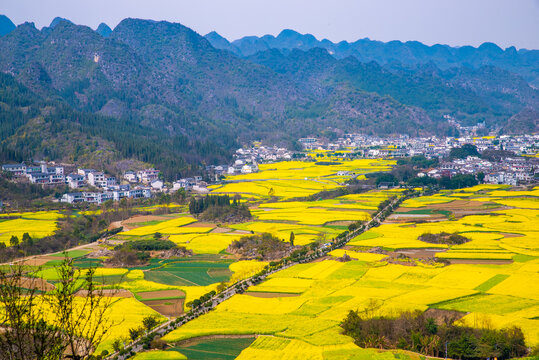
x,y
490,279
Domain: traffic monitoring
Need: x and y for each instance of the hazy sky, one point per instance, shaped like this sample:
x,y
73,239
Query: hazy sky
x,y
453,22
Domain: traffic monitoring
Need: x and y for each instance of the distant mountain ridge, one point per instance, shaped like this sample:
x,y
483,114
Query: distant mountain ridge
x,y
523,62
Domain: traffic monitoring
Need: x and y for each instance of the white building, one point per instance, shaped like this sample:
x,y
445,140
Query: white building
x,y
110,181
130,176
147,176
85,172
100,197
157,185
97,179
15,169
72,198
75,181
181,184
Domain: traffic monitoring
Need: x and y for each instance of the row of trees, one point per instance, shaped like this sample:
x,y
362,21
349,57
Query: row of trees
x,y
200,204
445,182
219,208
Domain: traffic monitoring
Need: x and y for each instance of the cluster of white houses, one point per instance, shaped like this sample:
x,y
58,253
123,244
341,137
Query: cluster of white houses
x,y
403,146
96,197
508,171
54,175
38,174
47,175
246,160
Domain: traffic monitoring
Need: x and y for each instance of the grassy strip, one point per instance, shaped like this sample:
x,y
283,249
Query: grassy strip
x,y
490,283
158,298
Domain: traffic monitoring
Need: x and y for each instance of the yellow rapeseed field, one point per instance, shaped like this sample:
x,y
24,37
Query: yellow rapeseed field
x,y
36,224
165,227
327,290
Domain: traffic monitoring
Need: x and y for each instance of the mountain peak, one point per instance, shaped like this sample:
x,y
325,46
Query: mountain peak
x,y
220,42
490,47
58,20
6,25
288,33
214,34
103,30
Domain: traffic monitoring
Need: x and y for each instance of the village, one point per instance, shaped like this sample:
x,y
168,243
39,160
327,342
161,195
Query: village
x,y
96,187
517,162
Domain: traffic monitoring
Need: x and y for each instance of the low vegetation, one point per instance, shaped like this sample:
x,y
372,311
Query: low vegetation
x,y
264,247
444,238
415,331
136,252
148,245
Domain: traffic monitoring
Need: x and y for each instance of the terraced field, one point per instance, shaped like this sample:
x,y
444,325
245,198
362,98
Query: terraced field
x,y
491,294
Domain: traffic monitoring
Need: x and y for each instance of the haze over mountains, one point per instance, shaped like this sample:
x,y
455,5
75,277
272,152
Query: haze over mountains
x,y
161,93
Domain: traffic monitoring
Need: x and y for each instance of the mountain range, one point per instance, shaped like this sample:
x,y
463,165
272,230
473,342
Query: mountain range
x,y
160,93
522,62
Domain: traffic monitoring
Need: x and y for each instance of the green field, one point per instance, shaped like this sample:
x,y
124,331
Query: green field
x,y
72,254
215,349
190,273
486,303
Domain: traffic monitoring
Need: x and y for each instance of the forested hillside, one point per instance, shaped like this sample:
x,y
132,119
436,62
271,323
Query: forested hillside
x,y
160,93
35,128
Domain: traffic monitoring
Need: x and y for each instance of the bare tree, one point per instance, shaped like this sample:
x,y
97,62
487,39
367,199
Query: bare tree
x,y
67,322
25,334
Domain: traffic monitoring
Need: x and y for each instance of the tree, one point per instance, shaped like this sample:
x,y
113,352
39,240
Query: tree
x,y
14,241
27,239
431,326
149,322
480,177
134,333
464,151
180,195
292,237
117,345
51,327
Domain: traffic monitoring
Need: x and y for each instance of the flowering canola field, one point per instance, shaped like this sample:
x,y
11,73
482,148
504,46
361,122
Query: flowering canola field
x,y
37,224
310,300
292,179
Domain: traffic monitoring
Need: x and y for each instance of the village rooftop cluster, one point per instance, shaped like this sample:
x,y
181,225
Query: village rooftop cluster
x,y
43,174
430,147
515,170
